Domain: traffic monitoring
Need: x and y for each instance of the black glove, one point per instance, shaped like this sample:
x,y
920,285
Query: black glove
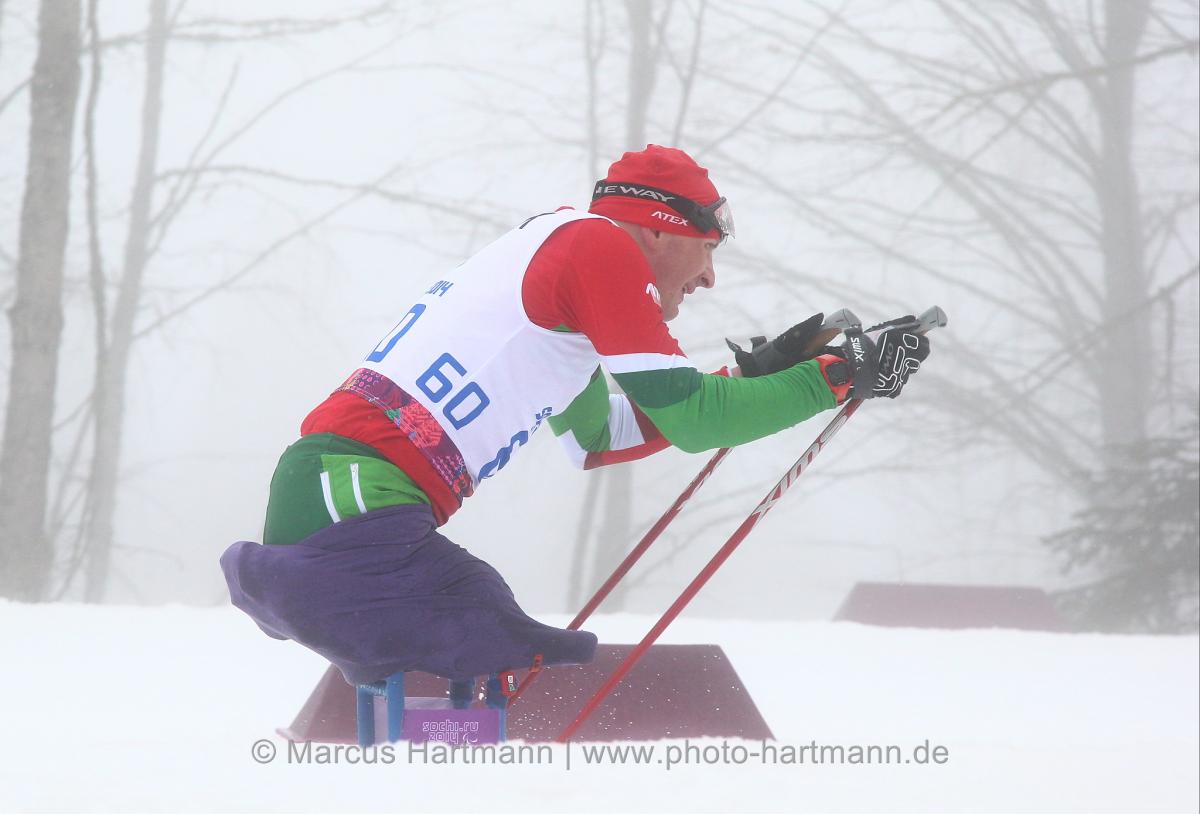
x,y
881,365
797,344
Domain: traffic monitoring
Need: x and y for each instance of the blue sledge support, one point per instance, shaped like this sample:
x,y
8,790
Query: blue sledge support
x,y
391,690
451,719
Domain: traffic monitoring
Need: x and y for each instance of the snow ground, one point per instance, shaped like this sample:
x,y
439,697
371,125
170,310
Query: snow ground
x,y
156,709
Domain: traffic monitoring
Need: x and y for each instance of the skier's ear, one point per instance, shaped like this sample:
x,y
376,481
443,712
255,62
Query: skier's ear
x,y
649,235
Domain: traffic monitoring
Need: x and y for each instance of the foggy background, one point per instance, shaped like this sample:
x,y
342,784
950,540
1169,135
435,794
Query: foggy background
x,y
307,169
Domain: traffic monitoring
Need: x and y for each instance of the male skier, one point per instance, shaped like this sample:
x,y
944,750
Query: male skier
x,y
353,566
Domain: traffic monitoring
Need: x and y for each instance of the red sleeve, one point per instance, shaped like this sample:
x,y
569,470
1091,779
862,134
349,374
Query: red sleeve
x,y
591,276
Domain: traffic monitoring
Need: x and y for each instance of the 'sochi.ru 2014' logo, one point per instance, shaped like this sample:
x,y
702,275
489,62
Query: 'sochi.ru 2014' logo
x,y
451,733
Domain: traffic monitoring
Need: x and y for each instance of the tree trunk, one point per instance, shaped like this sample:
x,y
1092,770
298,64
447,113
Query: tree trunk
x,y
615,535
1,27
641,73
113,364
36,317
1125,389
577,586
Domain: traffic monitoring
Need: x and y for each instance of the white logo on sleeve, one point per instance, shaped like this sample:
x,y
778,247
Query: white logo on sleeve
x,y
652,290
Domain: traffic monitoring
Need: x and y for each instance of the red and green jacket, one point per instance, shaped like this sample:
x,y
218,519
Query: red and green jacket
x,y
520,335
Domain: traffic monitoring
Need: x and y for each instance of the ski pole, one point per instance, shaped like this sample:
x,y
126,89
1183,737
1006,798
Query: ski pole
x,y
933,318
647,540
632,557
841,319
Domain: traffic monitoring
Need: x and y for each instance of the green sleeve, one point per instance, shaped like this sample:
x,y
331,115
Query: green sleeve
x,y
697,411
586,418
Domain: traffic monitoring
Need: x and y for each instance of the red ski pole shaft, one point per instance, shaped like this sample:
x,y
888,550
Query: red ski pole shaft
x,y
633,556
718,559
644,544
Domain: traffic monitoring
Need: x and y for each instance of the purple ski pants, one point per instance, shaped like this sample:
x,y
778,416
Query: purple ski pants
x,y
383,592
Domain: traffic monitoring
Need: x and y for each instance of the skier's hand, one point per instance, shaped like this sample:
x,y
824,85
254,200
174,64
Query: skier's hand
x,y
882,358
797,344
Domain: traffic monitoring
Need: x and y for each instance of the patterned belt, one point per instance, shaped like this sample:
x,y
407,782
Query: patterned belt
x,y
421,428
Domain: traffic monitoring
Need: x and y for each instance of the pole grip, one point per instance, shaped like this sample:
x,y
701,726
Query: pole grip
x,y
932,317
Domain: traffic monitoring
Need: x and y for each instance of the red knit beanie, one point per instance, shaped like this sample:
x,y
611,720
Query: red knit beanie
x,y
647,174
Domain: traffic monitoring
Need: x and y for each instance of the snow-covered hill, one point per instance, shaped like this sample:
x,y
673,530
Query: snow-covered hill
x,y
157,709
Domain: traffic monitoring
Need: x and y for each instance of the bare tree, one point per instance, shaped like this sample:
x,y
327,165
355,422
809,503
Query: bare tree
x,y
614,532
649,46
113,358
643,69
147,229
1,27
36,315
1013,139
1047,232
159,199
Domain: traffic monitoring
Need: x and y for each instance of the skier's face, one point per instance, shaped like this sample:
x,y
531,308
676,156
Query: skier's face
x,y
681,265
